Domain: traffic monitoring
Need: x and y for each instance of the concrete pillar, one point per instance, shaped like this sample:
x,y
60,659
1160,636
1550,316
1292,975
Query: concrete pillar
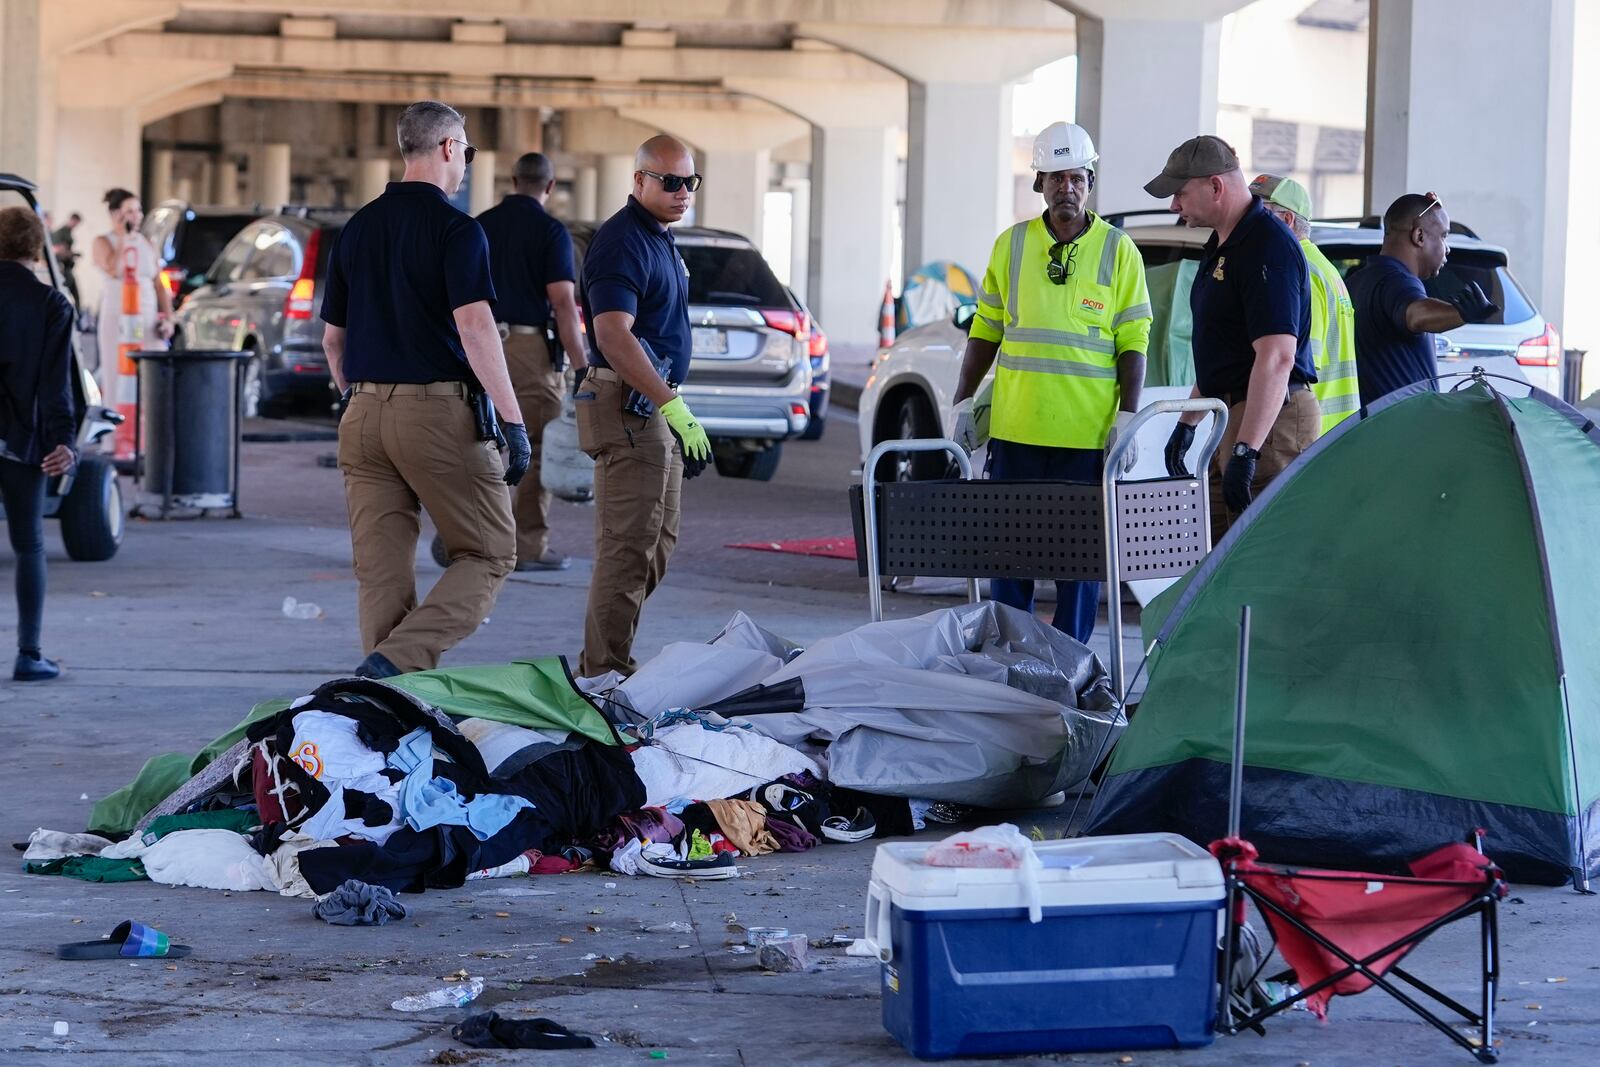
x,y
1415,128
800,236
272,175
585,190
615,184
1120,63
206,182
734,196
160,187
480,197
23,88
372,175
183,189
96,149
1581,324
225,190
853,179
958,174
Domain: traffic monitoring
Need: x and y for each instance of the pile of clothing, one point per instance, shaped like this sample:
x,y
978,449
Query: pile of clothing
x,y
713,752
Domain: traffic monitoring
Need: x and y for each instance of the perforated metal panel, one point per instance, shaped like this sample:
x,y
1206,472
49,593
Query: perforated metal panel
x,y
1048,530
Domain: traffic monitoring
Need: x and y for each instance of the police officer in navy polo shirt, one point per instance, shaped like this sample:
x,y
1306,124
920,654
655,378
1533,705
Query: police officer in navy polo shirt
x,y
1251,303
409,326
530,255
636,294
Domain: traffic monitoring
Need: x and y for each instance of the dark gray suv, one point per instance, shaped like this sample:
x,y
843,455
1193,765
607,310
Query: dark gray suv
x,y
262,295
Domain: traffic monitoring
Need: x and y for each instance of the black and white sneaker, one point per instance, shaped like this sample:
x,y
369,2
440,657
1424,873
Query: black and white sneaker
x,y
857,827
699,870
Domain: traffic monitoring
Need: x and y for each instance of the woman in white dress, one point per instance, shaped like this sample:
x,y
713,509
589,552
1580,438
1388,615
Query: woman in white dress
x,y
155,302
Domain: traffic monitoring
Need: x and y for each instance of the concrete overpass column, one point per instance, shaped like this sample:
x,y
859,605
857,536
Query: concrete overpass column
x,y
371,177
853,177
799,235
160,187
96,149
272,177
958,174
22,88
585,191
480,197
206,182
225,191
734,197
1414,128
1144,87
615,184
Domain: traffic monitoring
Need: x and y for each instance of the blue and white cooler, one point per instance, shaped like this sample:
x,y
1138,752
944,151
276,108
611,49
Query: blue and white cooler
x,y
1123,954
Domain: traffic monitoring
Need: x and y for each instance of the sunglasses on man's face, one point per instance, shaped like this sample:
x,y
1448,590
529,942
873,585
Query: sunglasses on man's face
x,y
671,183
471,150
1058,271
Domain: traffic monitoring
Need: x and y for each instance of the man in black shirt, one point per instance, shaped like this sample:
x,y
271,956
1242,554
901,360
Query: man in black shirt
x,y
1395,317
409,332
1251,303
530,258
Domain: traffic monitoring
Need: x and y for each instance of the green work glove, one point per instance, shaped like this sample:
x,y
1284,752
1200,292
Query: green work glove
x,y
692,439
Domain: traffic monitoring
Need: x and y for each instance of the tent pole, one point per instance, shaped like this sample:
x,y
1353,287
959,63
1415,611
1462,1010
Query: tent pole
x,y
1236,777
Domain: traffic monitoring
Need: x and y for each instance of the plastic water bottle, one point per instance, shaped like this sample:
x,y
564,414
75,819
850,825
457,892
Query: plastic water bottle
x,y
451,996
294,609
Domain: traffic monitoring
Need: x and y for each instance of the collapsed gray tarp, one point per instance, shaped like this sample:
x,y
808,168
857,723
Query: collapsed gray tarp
x,y
976,704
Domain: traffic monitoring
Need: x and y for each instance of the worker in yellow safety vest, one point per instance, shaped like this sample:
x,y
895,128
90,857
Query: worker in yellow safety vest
x,y
1063,305
1333,315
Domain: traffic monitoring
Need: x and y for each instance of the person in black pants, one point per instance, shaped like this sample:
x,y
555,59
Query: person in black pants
x,y
37,418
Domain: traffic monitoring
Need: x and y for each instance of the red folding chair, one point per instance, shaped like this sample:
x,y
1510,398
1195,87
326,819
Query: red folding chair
x,y
1343,932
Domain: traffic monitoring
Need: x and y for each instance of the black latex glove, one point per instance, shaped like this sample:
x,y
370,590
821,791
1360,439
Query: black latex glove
x,y
1177,448
1473,305
1237,478
519,453
692,468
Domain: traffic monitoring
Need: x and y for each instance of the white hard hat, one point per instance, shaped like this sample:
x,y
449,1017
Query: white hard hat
x,y
1061,146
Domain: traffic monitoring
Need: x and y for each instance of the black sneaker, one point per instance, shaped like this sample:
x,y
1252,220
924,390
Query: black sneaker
x,y
31,668
699,870
377,665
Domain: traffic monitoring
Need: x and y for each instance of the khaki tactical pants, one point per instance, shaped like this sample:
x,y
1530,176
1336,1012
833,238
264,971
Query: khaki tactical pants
x,y
405,446
1296,428
538,388
638,476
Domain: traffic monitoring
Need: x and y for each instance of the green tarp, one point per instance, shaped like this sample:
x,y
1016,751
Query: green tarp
x,y
1422,587
535,693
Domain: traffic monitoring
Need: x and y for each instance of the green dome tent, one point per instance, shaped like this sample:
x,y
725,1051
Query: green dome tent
x,y
1425,661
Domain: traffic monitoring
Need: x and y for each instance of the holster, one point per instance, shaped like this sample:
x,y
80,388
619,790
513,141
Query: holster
x,y
552,343
484,418
636,403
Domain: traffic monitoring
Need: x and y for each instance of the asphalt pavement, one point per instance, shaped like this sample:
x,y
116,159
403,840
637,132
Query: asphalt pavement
x,y
176,638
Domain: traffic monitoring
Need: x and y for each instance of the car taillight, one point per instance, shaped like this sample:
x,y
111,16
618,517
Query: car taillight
x,y
819,341
298,304
790,322
172,278
1541,351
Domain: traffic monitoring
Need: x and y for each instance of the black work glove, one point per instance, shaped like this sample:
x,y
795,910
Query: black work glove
x,y
519,453
692,468
1473,305
1237,478
1177,449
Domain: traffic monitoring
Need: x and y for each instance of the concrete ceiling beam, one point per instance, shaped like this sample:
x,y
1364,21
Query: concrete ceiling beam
x,y
558,61
928,54
82,79
69,26
723,131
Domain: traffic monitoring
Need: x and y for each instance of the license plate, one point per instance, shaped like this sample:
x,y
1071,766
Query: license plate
x,y
710,342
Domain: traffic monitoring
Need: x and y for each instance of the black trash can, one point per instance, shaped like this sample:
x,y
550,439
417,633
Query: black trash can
x,y
1572,375
188,428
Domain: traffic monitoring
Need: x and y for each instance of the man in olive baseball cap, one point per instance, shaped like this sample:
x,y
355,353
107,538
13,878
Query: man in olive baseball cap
x,y
1198,157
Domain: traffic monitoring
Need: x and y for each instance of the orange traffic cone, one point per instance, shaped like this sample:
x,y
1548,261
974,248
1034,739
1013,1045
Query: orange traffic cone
x,y
886,317
126,379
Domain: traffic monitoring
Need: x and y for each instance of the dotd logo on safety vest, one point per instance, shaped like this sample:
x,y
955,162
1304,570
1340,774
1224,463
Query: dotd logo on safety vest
x,y
1092,305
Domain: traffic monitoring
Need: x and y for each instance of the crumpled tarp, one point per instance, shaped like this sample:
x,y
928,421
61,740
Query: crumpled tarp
x,y
976,704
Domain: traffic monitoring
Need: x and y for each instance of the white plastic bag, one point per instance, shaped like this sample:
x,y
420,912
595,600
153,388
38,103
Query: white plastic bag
x,y
1002,847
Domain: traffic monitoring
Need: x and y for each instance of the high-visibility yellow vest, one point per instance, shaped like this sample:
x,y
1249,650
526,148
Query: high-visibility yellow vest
x,y
1333,340
1056,377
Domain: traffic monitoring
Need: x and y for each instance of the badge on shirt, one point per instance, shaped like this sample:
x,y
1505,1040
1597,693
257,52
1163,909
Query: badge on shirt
x,y
1091,306
1217,274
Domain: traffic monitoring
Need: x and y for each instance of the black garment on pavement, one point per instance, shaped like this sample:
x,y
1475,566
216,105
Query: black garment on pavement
x,y
359,904
579,791
37,408
489,1030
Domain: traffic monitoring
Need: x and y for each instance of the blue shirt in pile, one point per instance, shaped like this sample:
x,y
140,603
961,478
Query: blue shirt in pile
x,y
1254,285
633,265
400,268
528,250
1388,355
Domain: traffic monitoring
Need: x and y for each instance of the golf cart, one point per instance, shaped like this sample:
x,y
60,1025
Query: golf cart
x,y
88,500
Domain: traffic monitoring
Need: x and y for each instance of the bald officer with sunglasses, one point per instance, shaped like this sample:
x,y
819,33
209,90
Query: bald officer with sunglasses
x,y
642,436
1064,307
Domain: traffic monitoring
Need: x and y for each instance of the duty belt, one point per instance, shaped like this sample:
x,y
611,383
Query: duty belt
x,y
1239,397
517,327
606,374
388,389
